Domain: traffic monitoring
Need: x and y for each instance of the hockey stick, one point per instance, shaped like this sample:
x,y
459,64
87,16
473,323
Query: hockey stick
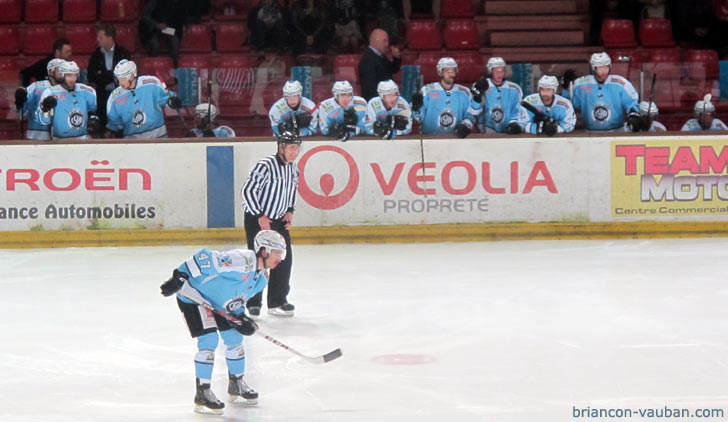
x,y
328,357
52,113
422,142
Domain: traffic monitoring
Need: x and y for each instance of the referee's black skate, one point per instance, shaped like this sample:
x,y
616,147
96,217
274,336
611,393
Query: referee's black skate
x,y
205,400
240,392
286,309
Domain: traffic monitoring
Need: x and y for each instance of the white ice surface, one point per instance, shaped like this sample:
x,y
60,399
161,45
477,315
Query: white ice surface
x,y
506,331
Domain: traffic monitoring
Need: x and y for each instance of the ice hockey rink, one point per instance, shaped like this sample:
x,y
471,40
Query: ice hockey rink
x,y
497,331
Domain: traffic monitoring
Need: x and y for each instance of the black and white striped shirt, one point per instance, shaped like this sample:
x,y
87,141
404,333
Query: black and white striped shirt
x,y
271,188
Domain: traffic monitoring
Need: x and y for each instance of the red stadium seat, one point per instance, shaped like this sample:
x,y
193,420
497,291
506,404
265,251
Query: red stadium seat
x,y
702,64
79,11
161,67
39,39
82,61
237,61
82,37
720,7
41,11
230,37
461,35
196,39
454,9
119,10
126,36
428,66
9,40
423,35
195,62
346,68
12,10
663,55
656,33
618,33
470,67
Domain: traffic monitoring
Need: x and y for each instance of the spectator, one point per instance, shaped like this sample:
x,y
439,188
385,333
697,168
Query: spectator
x,y
101,66
38,70
163,19
310,27
654,9
267,23
388,19
374,66
348,21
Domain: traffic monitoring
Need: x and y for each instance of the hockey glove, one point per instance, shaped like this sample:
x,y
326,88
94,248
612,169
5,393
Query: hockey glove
x,y
383,130
246,326
513,128
479,88
48,103
462,130
286,126
417,101
174,283
174,103
93,126
400,122
350,118
21,97
634,121
568,77
338,131
303,120
549,127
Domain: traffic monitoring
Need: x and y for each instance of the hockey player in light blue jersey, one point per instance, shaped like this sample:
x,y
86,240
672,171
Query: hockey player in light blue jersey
x,y
606,101
28,99
445,107
648,112
388,115
502,99
344,114
205,115
135,106
704,117
294,112
69,106
224,280
556,115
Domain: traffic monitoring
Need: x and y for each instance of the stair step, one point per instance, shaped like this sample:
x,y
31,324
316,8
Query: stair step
x,y
529,7
536,38
521,23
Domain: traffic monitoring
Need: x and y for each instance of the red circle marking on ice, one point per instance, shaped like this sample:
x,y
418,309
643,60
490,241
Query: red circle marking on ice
x,y
403,359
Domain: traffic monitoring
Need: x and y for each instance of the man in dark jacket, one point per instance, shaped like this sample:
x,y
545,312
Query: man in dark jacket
x,y
163,19
374,66
101,66
38,71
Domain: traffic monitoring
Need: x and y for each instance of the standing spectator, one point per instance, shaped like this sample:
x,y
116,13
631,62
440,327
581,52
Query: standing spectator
x,y
163,19
347,16
39,69
101,66
269,200
267,23
374,66
310,26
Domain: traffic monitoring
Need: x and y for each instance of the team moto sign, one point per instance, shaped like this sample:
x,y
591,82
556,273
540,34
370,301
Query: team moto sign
x,y
442,181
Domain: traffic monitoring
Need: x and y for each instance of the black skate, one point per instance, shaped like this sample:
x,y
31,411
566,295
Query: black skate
x,y
284,310
205,400
239,392
254,312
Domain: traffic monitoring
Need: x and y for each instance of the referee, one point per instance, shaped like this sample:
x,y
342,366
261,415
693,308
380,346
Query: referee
x,y
269,199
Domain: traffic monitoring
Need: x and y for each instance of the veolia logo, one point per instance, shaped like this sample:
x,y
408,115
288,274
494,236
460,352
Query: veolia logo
x,y
327,201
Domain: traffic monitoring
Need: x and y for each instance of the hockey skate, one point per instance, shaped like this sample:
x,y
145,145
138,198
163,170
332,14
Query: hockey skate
x,y
285,310
239,392
205,400
254,312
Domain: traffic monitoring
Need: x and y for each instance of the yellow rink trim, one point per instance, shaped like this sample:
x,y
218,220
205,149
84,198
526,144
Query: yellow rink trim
x,y
369,234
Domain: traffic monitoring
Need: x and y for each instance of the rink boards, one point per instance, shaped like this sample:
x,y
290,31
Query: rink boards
x,y
171,185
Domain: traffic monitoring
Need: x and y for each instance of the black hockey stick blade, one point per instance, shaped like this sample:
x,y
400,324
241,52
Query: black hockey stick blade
x,y
334,354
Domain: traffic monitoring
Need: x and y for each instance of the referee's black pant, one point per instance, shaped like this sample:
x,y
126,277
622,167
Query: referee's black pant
x,y
279,283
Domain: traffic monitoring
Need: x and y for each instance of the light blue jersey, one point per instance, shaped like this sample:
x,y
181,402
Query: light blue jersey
x,y
282,112
694,125
138,112
502,105
36,129
560,110
329,112
70,115
604,106
442,110
376,111
219,132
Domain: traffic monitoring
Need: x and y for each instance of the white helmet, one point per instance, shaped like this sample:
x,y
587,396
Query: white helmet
x,y
67,68
704,105
291,88
201,111
494,62
53,65
270,240
600,59
652,106
124,69
387,87
446,62
342,87
548,82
